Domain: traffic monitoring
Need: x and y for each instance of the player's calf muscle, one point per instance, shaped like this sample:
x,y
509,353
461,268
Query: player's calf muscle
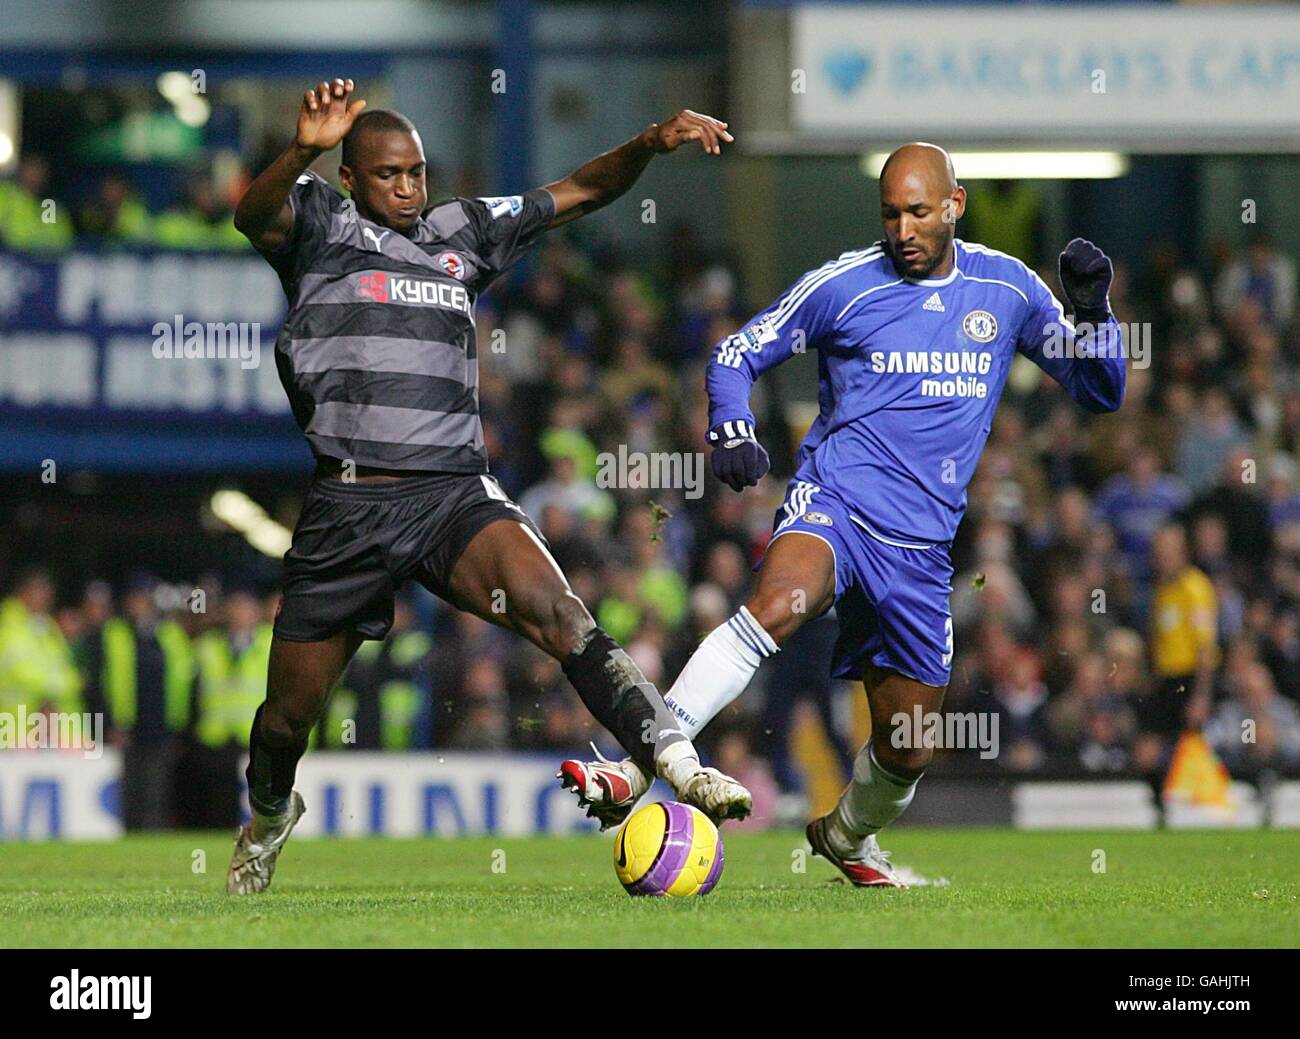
x,y
890,694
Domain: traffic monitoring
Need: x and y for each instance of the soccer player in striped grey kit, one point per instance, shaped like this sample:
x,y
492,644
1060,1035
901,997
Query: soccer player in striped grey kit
x,y
378,357
915,336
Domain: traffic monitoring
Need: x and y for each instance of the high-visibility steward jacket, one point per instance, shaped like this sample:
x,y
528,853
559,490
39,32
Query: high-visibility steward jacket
x,y
120,678
189,229
133,223
342,710
36,665
23,223
400,697
231,688
389,671
1005,222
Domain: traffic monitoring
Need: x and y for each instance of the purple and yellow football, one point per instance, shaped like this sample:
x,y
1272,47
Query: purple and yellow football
x,y
668,849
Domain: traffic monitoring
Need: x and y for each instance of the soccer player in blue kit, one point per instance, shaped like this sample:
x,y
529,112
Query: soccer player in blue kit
x,y
915,336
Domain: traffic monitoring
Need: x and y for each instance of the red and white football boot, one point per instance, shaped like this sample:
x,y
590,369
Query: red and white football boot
x,y
607,789
869,866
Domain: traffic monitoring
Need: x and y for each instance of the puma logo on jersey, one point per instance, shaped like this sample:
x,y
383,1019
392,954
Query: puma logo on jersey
x,y
933,303
378,239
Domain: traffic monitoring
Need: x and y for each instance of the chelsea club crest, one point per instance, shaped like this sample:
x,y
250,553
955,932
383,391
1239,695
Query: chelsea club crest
x,y
980,325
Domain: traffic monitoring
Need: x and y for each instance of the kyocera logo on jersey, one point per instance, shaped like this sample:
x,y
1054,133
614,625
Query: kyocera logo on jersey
x,y
452,263
980,325
384,288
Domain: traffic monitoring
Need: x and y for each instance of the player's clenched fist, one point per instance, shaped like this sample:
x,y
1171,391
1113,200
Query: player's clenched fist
x,y
1085,277
738,460
325,116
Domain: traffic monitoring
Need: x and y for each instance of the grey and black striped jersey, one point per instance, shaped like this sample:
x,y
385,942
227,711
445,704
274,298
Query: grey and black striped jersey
x,y
377,351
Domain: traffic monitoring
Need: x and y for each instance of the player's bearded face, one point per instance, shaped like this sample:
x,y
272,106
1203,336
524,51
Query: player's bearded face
x,y
388,182
919,229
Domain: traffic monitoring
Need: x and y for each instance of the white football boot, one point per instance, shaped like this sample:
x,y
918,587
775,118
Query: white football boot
x,y
867,866
607,789
253,864
716,795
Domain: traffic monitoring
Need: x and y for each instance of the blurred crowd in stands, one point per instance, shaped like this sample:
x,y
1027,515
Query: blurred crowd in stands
x,y
114,214
1120,579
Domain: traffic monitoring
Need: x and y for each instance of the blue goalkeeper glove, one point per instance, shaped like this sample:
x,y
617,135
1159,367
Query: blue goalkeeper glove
x,y
1085,277
739,460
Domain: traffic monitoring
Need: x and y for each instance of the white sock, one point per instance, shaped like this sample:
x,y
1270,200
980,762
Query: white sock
x,y
676,763
718,671
873,799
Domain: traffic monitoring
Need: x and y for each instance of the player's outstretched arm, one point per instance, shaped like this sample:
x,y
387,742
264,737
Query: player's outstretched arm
x,y
598,182
263,215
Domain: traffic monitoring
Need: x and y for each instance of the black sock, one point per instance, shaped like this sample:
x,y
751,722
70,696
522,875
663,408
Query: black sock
x,y
271,769
621,699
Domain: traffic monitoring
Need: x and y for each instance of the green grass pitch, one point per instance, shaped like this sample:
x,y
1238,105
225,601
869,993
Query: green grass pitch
x,y
1005,888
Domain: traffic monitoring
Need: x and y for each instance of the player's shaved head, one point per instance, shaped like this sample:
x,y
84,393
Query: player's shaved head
x,y
920,204
929,162
372,121
384,169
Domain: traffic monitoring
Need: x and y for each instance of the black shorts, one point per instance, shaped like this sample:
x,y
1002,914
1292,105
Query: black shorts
x,y
1164,710
356,543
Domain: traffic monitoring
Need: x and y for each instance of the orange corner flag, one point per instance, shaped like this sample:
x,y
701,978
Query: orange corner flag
x,y
1196,775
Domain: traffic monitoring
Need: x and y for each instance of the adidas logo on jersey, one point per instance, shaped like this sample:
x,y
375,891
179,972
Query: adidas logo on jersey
x,y
933,303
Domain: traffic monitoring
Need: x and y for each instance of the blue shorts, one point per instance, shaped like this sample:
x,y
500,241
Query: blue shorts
x,y
891,597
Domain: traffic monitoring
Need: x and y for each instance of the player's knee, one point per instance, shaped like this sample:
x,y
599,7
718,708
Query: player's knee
x,y
905,762
559,624
285,722
779,610
289,715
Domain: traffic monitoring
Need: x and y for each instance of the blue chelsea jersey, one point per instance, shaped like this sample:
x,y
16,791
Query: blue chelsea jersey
x,y
910,373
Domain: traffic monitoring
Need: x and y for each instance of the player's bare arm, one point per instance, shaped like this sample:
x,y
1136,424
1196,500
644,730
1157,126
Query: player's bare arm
x,y
600,181
324,118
